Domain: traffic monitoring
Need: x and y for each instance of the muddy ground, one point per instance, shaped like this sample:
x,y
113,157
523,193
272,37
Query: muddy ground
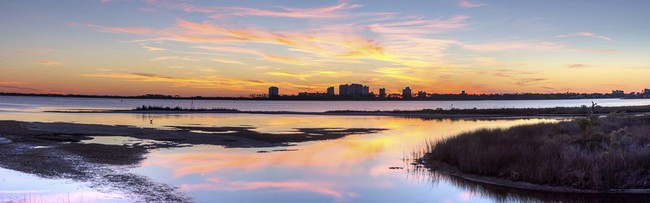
x,y
57,151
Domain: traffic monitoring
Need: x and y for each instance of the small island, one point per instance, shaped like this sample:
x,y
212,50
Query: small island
x,y
588,155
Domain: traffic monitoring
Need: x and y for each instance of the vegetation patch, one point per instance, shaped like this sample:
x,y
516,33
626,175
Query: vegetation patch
x,y
598,154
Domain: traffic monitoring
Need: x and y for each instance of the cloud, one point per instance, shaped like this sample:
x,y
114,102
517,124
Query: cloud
x,y
48,63
174,58
152,48
584,34
214,81
225,61
579,66
527,81
421,26
467,4
315,187
594,50
304,76
513,45
131,30
337,11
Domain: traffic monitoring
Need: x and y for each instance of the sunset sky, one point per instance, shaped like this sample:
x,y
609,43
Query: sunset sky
x,y
238,48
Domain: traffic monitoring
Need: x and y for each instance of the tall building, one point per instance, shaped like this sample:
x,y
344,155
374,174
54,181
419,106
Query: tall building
x,y
382,92
330,91
353,90
274,91
406,92
343,90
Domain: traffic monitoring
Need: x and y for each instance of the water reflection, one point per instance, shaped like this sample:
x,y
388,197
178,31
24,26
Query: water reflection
x,y
354,168
506,194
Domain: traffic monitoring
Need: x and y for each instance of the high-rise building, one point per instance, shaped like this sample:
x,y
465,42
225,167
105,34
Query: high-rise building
x,y
406,92
353,90
330,91
343,90
382,92
274,91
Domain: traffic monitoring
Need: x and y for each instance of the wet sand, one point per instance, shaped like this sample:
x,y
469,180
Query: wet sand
x,y
57,150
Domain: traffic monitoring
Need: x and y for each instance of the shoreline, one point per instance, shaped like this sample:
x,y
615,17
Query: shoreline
x,y
450,170
423,114
65,151
591,155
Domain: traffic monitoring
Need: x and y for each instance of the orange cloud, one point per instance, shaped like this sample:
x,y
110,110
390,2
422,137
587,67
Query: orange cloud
x,y
585,34
48,63
152,48
579,66
205,82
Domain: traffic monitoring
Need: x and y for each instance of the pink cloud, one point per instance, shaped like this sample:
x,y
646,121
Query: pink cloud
x,y
467,4
585,34
48,63
594,50
289,186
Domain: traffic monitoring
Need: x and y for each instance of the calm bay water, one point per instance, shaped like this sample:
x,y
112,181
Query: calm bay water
x,y
351,169
55,103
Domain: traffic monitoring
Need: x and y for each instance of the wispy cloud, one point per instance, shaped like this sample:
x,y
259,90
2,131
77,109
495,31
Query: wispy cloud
x,y
467,4
528,81
48,63
131,30
152,48
580,66
161,58
594,50
213,81
513,45
337,11
585,34
305,76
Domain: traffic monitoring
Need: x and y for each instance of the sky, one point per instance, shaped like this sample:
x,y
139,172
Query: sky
x,y
239,48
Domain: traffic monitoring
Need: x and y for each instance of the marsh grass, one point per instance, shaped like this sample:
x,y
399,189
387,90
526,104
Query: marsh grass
x,y
590,153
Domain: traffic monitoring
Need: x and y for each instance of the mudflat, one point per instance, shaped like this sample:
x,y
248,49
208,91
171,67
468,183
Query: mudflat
x,y
58,150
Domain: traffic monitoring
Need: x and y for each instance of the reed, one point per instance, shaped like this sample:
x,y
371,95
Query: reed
x,y
590,153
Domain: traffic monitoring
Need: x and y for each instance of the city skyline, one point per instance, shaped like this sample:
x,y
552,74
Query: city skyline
x,y
207,48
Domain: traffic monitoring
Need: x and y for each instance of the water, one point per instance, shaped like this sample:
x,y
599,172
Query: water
x,y
22,103
351,169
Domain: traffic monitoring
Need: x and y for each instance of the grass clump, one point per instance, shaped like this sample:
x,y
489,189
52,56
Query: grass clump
x,y
591,153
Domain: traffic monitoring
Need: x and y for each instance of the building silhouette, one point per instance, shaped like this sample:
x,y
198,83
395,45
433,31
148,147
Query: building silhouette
x,y
353,90
330,91
382,92
422,94
274,91
406,92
